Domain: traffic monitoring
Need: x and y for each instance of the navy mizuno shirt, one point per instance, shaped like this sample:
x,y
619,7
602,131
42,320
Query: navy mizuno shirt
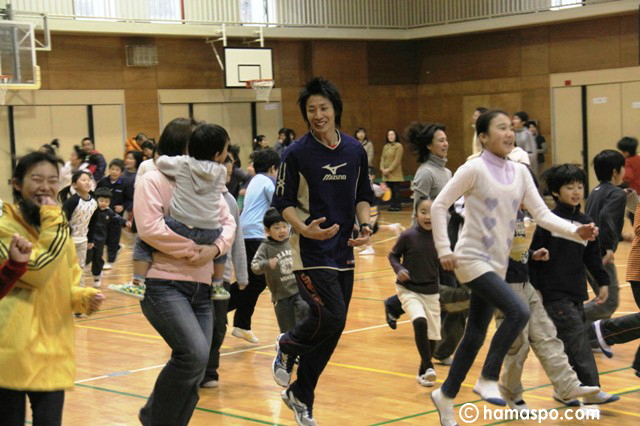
x,y
319,181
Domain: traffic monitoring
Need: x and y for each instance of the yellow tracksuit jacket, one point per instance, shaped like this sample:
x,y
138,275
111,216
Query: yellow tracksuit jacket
x,y
36,317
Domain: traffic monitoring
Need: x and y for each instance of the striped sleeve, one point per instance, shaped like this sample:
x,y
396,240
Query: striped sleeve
x,y
48,250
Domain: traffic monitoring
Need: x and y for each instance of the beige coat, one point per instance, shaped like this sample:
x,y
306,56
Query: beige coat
x,y
392,159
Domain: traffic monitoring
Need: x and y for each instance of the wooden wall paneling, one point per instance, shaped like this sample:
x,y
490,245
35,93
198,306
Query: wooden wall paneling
x,y
188,64
584,45
567,125
170,111
32,127
109,129
629,30
630,109
534,51
289,62
142,112
70,124
341,62
85,62
269,120
5,155
469,105
392,63
604,121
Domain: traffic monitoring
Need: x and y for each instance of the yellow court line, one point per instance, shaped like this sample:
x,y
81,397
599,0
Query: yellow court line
x,y
120,331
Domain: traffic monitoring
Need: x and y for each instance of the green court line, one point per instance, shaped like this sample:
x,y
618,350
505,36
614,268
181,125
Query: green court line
x,y
108,316
206,410
399,419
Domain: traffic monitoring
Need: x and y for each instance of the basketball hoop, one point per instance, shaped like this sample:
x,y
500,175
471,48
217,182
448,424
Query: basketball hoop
x,y
4,86
262,88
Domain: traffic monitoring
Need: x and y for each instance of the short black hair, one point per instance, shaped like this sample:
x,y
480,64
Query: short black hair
x,y
137,155
207,141
522,115
147,144
628,144
78,174
563,174
482,109
322,87
87,138
271,217
117,162
102,193
605,162
264,159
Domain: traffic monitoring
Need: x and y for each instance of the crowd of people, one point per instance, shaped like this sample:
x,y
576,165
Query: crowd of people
x,y
290,222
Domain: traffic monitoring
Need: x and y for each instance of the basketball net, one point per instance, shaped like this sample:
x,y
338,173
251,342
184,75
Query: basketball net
x,y
4,86
262,89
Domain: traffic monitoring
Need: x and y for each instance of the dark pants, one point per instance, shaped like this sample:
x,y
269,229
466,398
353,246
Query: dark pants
x,y
219,331
568,317
290,311
622,330
488,292
95,258
244,301
114,230
181,312
46,407
328,293
396,201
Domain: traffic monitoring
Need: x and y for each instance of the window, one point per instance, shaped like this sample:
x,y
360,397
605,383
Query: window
x,y
564,4
258,11
95,8
153,10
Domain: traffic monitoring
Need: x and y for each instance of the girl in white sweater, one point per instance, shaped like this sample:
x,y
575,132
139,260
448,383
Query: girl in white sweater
x,y
494,188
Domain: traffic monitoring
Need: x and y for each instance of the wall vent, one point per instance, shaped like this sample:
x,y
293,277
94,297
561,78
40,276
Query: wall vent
x,y
142,56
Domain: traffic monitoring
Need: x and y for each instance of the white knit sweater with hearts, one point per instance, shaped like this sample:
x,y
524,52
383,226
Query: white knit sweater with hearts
x,y
490,216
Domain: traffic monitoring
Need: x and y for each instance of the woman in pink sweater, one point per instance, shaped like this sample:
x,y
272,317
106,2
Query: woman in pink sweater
x,y
177,298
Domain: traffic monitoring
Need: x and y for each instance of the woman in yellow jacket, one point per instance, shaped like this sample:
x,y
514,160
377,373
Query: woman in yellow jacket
x,y
391,167
36,317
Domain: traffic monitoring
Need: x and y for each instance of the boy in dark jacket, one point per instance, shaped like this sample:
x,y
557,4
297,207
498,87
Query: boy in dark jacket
x,y
121,200
101,221
273,259
562,279
606,206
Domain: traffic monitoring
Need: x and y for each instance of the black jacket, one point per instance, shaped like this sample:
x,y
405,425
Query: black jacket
x,y
563,275
99,223
606,205
121,193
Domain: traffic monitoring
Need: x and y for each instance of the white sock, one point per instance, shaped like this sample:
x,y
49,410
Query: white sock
x,y
487,388
444,406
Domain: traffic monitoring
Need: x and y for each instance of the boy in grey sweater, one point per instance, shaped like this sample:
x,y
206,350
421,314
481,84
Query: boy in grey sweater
x,y
273,259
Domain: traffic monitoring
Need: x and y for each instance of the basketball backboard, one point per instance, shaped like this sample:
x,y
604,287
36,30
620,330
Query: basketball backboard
x,y
17,52
243,64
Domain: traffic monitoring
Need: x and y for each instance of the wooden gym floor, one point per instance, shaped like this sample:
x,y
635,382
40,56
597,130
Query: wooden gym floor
x,y
370,380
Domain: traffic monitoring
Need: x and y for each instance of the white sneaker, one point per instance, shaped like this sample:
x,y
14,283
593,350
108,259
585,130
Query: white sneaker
x,y
582,391
210,384
446,361
600,398
428,379
244,334
368,250
97,283
107,266
396,228
518,405
488,390
444,406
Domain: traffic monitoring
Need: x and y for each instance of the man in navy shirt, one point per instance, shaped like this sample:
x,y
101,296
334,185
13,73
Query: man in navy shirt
x,y
322,187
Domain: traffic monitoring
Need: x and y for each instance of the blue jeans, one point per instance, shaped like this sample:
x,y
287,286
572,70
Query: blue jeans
x,y
182,312
488,292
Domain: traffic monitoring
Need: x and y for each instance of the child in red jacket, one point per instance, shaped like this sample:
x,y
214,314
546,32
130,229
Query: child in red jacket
x,y
15,265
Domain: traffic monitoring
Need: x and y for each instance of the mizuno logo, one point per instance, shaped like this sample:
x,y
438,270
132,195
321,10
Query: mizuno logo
x,y
334,169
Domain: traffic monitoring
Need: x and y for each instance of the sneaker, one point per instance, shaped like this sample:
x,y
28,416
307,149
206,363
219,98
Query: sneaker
x,y
368,250
282,366
444,406
391,319
97,283
427,379
567,402
518,405
606,349
218,292
600,398
209,384
129,289
446,361
396,228
582,391
107,266
488,390
303,414
247,335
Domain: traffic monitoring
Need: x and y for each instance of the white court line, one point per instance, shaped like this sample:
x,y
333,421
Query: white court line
x,y
126,373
